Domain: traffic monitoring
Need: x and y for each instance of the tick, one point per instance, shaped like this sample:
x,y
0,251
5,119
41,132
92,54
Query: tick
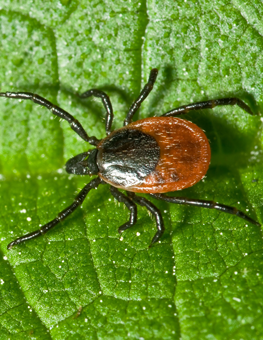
x,y
151,156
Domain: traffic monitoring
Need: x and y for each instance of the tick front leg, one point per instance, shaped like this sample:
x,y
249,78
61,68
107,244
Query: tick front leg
x,y
129,204
57,111
143,95
155,211
61,216
107,104
205,204
210,104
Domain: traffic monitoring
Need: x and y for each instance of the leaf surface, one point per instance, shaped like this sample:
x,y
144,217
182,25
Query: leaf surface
x,y
82,280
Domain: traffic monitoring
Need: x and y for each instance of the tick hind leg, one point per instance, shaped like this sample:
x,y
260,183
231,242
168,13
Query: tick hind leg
x,y
210,104
107,104
129,204
155,211
57,111
61,216
205,204
143,95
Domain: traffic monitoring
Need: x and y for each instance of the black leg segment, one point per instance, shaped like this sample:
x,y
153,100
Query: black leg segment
x,y
210,104
61,216
155,211
129,204
107,104
143,95
205,204
57,111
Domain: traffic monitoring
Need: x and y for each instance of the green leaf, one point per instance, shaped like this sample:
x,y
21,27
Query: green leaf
x,y
82,280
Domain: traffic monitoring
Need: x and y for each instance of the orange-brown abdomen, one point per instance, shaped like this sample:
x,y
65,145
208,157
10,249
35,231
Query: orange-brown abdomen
x,y
184,158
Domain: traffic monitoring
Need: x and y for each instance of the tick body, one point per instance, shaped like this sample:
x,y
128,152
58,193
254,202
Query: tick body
x,y
153,156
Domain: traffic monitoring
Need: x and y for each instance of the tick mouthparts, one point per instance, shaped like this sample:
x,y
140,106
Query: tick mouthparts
x,y
77,165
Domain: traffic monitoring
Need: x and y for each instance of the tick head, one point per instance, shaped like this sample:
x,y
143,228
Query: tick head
x,y
83,164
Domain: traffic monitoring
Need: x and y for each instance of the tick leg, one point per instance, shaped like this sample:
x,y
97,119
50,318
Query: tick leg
x,y
61,216
210,104
143,95
57,111
206,204
155,211
129,204
107,104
